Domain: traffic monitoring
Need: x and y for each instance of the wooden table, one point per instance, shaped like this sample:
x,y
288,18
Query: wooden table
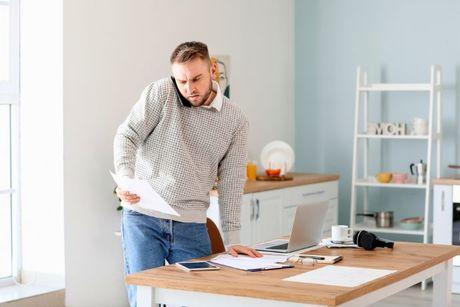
x,y
227,287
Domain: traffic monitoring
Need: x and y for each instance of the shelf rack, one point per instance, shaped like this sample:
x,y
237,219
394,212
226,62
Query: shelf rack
x,y
433,89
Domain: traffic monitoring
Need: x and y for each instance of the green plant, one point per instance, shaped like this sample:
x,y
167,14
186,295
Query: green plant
x,y
120,207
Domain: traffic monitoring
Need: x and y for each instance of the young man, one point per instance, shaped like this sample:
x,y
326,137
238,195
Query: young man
x,y
181,135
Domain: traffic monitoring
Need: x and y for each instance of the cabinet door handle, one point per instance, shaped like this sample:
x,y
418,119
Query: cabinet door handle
x,y
443,206
258,209
312,193
252,210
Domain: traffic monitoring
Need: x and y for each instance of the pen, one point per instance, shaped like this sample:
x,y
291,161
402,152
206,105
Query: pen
x,y
312,257
271,268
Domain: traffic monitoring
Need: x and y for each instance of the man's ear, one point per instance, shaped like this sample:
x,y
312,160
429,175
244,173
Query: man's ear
x,y
212,69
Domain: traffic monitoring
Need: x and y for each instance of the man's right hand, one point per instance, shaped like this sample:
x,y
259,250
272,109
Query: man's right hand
x,y
126,196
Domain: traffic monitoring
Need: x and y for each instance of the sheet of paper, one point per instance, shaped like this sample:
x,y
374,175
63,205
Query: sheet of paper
x,y
247,263
328,243
342,276
149,199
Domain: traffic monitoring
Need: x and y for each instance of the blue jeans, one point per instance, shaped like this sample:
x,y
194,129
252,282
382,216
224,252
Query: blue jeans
x,y
149,241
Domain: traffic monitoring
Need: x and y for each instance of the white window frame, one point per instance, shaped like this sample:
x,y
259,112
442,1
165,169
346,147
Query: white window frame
x,y
9,95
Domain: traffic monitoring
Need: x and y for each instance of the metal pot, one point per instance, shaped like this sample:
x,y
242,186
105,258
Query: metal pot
x,y
383,219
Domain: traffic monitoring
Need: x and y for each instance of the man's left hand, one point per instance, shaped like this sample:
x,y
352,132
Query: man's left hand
x,y
234,250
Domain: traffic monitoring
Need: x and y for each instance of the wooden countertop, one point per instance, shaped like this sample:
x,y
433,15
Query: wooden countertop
x,y
406,258
447,181
299,179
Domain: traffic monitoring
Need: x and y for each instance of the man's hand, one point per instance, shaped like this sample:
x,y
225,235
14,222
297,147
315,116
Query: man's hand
x,y
234,250
126,196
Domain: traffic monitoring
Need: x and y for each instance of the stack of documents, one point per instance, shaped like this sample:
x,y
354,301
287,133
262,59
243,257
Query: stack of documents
x,y
247,263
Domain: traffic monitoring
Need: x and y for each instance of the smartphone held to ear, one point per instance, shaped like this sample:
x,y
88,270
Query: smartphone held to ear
x,y
196,266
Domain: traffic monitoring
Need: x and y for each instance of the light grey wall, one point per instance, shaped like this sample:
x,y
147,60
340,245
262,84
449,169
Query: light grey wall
x,y
112,49
396,41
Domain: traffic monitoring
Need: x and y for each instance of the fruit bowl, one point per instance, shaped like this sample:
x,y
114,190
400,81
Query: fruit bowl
x,y
411,223
273,172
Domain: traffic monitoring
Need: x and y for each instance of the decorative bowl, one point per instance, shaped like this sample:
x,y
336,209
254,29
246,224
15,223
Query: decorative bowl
x,y
273,172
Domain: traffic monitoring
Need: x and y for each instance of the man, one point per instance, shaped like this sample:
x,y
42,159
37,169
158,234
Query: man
x,y
181,135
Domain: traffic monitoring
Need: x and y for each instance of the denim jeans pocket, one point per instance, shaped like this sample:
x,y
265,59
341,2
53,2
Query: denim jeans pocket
x,y
131,212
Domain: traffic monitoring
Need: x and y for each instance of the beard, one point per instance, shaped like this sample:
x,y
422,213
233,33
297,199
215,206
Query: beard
x,y
205,96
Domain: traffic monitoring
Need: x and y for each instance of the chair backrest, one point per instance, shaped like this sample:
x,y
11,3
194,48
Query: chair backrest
x,y
217,244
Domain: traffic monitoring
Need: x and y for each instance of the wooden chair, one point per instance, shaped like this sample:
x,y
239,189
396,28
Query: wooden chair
x,y
217,244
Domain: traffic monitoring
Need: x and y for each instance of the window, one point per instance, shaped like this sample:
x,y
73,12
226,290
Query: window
x,y
9,153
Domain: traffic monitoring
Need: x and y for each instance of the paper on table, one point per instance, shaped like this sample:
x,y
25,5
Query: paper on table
x,y
149,199
328,243
342,276
247,263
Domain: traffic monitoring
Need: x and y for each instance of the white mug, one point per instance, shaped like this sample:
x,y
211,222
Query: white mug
x,y
420,126
341,233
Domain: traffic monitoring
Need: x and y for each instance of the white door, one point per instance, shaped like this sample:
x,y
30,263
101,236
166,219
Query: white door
x,y
267,218
442,214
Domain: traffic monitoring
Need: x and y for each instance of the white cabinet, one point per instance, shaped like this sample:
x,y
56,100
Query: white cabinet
x,y
442,214
267,220
269,215
308,194
442,226
260,216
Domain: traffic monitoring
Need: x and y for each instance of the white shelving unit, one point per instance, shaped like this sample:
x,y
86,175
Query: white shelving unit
x,y
433,89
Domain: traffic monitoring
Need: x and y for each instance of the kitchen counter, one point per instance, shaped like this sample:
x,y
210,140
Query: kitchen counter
x,y
454,180
299,179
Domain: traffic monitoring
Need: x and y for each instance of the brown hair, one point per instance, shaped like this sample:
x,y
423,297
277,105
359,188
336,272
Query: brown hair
x,y
188,51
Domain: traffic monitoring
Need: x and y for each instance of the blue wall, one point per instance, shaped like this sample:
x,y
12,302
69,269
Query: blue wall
x,y
396,41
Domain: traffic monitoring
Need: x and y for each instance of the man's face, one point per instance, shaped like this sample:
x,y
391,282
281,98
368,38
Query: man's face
x,y
194,80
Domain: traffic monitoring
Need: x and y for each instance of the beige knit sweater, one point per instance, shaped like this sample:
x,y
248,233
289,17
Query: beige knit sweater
x,y
181,150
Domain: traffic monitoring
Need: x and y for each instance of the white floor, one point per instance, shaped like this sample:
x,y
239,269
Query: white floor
x,y
414,296
50,299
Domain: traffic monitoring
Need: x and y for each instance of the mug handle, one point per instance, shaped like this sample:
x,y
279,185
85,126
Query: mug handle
x,y
350,233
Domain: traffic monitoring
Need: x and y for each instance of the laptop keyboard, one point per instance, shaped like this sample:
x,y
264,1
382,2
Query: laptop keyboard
x,y
281,246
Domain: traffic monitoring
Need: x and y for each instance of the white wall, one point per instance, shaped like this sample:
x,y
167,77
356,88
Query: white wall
x,y
41,140
112,49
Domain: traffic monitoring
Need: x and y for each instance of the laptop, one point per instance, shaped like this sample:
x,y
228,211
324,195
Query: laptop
x,y
306,230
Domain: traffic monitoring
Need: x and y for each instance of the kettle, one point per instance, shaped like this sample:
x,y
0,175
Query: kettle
x,y
420,171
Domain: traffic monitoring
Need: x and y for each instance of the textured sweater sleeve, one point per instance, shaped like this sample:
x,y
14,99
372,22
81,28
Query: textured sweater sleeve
x,y
232,177
141,121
